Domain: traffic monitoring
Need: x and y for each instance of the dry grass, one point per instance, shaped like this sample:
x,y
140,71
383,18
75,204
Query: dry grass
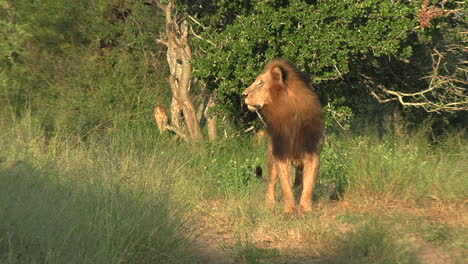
x,y
339,228
411,215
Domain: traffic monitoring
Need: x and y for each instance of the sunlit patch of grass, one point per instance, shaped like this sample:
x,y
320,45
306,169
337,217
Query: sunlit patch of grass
x,y
407,166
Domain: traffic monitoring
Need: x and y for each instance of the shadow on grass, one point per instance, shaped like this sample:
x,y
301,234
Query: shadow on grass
x,y
368,243
48,218
371,243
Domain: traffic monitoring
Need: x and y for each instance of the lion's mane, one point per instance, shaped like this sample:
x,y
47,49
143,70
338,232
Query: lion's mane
x,y
294,117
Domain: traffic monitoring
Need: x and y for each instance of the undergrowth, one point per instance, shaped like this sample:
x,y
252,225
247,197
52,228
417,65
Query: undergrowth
x,y
131,196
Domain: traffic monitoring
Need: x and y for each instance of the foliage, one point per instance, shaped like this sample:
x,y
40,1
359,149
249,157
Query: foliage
x,y
232,167
82,65
236,175
12,44
333,178
321,38
338,114
348,47
85,65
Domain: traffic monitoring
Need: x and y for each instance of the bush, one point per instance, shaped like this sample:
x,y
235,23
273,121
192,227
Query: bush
x,y
232,165
348,47
333,178
326,39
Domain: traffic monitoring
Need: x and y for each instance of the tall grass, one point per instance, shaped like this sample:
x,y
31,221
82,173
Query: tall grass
x,y
62,201
130,195
371,242
407,165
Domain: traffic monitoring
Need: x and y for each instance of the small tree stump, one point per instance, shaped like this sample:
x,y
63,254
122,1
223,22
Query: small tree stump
x,y
161,118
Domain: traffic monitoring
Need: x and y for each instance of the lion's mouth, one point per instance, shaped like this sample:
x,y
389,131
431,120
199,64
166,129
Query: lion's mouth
x,y
254,108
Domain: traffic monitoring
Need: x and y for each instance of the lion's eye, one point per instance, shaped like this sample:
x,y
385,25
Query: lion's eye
x,y
260,83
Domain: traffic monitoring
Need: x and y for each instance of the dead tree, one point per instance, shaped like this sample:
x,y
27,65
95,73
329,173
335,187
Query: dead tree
x,y
211,120
179,54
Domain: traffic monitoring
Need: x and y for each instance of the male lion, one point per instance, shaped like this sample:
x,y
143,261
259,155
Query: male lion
x,y
295,130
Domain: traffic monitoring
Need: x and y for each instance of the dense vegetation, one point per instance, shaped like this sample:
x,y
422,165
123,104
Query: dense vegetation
x,y
86,177
81,65
89,64
350,49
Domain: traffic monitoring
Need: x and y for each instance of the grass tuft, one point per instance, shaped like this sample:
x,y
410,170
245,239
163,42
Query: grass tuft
x,y
371,243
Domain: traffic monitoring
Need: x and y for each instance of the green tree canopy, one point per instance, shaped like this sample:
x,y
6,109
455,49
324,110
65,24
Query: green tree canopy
x,y
349,47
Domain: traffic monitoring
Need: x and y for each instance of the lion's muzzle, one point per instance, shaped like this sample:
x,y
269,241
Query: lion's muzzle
x,y
254,108
248,101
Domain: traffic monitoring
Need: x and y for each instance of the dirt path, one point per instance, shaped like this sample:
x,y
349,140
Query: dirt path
x,y
208,245
215,242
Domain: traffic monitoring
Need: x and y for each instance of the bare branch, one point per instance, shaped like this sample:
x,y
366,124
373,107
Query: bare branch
x,y
199,37
162,41
380,100
442,94
195,21
156,3
176,131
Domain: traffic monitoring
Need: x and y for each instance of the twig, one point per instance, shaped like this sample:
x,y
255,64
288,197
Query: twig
x,y
261,118
196,22
175,130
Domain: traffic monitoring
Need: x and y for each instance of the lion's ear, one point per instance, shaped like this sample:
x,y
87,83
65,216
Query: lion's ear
x,y
277,74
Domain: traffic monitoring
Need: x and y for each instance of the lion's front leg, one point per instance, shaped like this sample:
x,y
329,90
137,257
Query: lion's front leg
x,y
311,168
272,177
283,169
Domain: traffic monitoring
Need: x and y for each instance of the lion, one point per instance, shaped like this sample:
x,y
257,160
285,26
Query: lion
x,y
295,129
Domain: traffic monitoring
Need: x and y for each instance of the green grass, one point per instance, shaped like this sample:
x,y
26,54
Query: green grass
x,y
66,202
131,196
408,166
371,242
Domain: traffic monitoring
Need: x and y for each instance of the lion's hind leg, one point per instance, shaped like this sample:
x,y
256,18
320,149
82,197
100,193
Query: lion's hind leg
x,y
297,186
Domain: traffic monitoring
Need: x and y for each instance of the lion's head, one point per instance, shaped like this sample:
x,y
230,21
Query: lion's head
x,y
259,94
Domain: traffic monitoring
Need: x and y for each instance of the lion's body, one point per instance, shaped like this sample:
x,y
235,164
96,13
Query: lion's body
x,y
295,128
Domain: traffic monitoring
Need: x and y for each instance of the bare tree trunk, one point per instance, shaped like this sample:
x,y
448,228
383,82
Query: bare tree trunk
x,y
211,120
179,54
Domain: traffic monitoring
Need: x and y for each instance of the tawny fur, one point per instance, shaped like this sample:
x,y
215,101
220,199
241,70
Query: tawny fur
x,y
294,124
295,119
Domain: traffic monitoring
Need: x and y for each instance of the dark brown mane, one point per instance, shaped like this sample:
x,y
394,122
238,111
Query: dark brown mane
x,y
295,119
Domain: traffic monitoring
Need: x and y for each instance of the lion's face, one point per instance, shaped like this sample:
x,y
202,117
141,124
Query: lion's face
x,y
258,94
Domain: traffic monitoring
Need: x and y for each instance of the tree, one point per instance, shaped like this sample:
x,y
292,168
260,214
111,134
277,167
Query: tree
x,y
446,88
179,57
353,50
